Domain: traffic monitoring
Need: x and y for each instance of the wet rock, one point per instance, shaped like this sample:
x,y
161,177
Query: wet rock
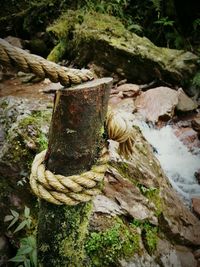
x,y
196,124
157,103
197,175
189,137
184,102
196,205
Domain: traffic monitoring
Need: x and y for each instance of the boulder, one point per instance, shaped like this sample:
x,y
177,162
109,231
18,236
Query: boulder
x,y
196,205
157,103
119,51
184,102
24,125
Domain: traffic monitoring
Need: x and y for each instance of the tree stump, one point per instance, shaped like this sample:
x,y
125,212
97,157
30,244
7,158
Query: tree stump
x,y
75,140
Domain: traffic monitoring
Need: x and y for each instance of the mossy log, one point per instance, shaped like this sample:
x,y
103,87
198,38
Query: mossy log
x,y
75,140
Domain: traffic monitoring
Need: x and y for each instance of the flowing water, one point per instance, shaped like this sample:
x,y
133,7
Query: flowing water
x,y
176,160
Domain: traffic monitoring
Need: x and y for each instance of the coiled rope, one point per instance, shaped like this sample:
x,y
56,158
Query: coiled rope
x,y
56,188
12,56
71,190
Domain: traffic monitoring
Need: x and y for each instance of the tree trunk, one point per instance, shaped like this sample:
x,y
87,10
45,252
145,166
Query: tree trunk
x,y
75,140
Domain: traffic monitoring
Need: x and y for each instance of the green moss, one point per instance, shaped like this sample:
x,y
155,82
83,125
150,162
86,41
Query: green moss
x,y
149,234
63,244
150,237
58,51
153,194
105,248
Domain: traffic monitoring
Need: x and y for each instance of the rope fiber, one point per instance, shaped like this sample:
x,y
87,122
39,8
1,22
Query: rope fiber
x,y
71,190
56,188
12,56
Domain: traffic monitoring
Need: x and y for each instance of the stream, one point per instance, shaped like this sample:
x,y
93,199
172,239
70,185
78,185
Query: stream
x,y
178,163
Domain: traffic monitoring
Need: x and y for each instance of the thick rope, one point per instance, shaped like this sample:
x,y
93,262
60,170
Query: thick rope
x,y
12,56
71,190
120,129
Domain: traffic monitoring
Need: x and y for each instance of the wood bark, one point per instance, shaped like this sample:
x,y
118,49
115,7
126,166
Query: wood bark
x,y
75,140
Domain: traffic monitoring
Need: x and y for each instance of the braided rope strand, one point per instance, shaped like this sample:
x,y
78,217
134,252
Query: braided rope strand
x,y
71,190
13,56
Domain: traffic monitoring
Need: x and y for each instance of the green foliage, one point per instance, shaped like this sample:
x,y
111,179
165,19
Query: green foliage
x,y
26,253
149,234
165,21
153,194
157,5
105,248
150,237
196,79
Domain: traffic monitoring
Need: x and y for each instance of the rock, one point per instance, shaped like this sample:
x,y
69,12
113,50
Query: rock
x,y
186,257
144,260
188,137
166,254
197,175
106,205
15,41
128,197
184,102
23,122
125,104
197,254
196,124
196,205
120,51
127,90
157,103
5,251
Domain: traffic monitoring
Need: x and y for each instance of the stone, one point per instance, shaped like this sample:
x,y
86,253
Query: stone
x,y
119,51
196,205
125,104
127,90
196,124
186,256
106,205
197,175
166,254
14,41
157,104
188,137
197,254
185,103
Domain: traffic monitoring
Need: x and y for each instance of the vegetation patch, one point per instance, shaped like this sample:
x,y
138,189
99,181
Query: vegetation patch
x,y
149,235
105,248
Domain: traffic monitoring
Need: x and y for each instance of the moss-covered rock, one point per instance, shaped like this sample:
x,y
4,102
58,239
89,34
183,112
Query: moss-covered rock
x,y
25,128
119,51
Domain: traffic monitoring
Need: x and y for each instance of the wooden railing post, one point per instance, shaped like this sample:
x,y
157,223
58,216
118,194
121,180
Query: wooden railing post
x,y
75,139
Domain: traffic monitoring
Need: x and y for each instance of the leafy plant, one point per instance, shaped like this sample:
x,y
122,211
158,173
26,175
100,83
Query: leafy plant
x,y
26,253
14,217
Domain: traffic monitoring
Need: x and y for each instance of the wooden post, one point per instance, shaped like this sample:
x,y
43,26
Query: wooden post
x,y
75,139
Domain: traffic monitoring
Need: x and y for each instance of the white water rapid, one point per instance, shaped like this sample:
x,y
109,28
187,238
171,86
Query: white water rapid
x,y
176,160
